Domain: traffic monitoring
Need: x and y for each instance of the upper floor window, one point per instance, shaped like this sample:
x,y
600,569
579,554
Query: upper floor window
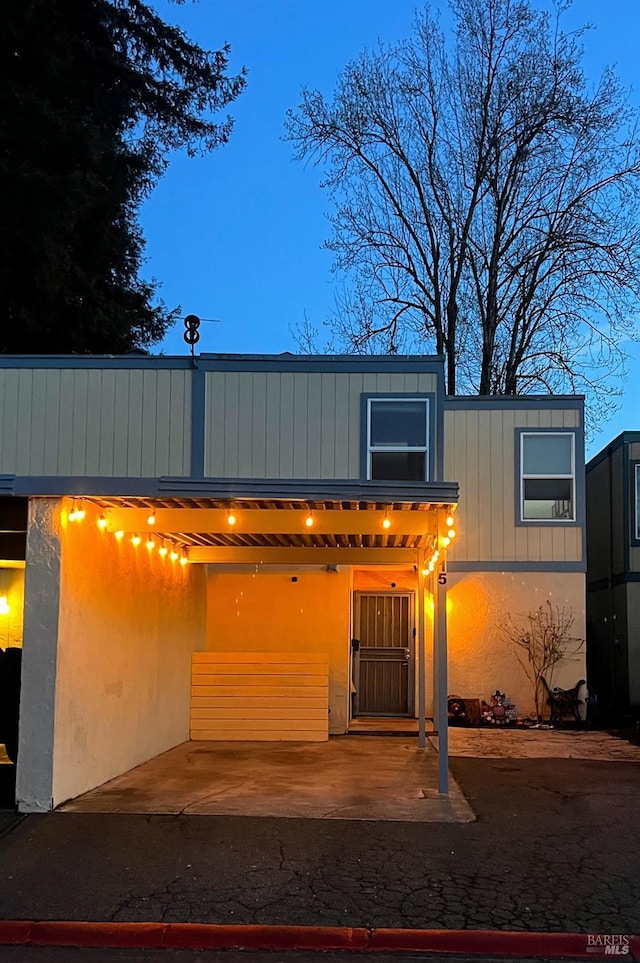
x,y
397,439
547,476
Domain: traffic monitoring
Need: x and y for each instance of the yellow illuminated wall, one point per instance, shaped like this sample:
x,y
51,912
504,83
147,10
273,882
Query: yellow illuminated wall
x,y
267,611
128,624
480,660
11,589
262,612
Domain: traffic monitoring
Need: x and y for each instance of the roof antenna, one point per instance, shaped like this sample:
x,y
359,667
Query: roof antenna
x,y
191,333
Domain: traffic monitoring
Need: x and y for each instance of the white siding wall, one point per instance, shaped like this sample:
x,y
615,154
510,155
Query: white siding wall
x,y
128,625
108,422
292,424
480,455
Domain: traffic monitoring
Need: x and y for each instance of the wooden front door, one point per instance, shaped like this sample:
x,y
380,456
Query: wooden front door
x,y
383,661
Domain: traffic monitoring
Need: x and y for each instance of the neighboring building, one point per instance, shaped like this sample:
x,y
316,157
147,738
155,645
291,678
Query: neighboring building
x,y
310,494
613,574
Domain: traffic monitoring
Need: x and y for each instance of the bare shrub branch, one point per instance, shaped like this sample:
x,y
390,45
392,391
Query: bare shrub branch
x,y
541,640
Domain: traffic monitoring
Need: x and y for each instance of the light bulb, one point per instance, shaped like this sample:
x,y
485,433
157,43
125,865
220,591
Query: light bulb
x,y
80,513
119,534
231,519
163,550
135,540
425,572
386,522
151,520
150,544
449,521
102,523
184,560
309,520
451,533
446,541
173,556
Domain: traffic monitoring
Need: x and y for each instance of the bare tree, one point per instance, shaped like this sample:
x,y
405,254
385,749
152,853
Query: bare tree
x,y
540,644
487,200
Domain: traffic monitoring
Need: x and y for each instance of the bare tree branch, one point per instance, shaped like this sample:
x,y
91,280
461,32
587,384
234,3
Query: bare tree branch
x,y
487,201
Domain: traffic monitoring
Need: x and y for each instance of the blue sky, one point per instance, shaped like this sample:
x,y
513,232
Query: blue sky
x,y
237,235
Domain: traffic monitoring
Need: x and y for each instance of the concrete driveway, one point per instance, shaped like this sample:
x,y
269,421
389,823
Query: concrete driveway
x,y
361,777
507,743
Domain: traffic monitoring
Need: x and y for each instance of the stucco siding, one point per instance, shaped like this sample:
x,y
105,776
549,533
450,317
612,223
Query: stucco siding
x,y
268,611
481,660
94,421
480,454
275,424
128,625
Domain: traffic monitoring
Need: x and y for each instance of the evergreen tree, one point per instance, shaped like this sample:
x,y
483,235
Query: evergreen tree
x,y
93,95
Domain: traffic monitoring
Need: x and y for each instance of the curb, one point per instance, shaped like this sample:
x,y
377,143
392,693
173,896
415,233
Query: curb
x,y
203,936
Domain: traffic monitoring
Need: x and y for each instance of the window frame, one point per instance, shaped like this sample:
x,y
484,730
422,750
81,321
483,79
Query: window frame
x,y
635,508
522,477
368,449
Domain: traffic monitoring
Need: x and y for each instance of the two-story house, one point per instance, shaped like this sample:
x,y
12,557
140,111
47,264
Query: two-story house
x,y
267,547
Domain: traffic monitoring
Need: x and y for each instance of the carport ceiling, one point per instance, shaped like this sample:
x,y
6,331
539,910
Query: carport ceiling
x,y
270,524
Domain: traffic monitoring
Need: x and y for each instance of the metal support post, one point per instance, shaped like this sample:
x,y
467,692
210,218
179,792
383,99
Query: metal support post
x,y
422,652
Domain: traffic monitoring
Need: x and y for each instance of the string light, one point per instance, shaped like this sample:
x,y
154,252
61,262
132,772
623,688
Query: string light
x,y
165,549
386,521
151,520
451,533
449,521
231,519
309,520
77,512
102,523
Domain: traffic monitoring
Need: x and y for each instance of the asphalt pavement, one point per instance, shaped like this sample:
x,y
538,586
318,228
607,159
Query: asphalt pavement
x,y
554,849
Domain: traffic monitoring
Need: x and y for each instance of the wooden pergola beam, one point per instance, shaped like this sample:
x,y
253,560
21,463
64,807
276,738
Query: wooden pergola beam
x,y
300,556
256,521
